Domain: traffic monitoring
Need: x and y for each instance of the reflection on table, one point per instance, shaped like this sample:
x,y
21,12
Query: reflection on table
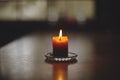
x,y
60,71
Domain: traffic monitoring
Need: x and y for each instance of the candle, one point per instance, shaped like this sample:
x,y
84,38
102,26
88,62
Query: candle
x,y
60,45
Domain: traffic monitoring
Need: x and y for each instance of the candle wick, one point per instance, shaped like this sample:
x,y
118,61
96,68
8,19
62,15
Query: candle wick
x,y
60,38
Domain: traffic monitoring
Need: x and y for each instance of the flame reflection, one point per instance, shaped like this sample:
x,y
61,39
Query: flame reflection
x,y
60,71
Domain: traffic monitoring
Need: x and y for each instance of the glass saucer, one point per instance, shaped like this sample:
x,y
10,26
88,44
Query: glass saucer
x,y
71,58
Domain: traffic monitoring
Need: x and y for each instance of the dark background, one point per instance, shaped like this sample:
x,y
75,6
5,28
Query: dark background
x,y
106,21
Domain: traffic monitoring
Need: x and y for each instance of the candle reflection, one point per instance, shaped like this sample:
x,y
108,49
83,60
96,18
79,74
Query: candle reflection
x,y
60,71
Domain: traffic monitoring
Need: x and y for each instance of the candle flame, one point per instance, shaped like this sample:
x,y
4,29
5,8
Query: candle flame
x,y
60,34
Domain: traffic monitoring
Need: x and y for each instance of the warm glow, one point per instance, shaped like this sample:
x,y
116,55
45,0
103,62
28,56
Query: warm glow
x,y
64,39
60,77
60,34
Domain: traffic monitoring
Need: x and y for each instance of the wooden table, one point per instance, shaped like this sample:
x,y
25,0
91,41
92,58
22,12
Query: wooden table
x,y
98,58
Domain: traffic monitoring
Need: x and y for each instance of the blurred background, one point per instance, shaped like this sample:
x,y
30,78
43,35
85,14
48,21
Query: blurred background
x,y
47,10
18,17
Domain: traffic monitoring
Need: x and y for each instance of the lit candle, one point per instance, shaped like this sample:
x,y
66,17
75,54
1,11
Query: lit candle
x,y
60,45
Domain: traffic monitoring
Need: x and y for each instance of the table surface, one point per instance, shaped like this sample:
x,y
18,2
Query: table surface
x,y
98,58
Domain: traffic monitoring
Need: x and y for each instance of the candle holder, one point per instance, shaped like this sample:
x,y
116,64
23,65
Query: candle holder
x,y
71,58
